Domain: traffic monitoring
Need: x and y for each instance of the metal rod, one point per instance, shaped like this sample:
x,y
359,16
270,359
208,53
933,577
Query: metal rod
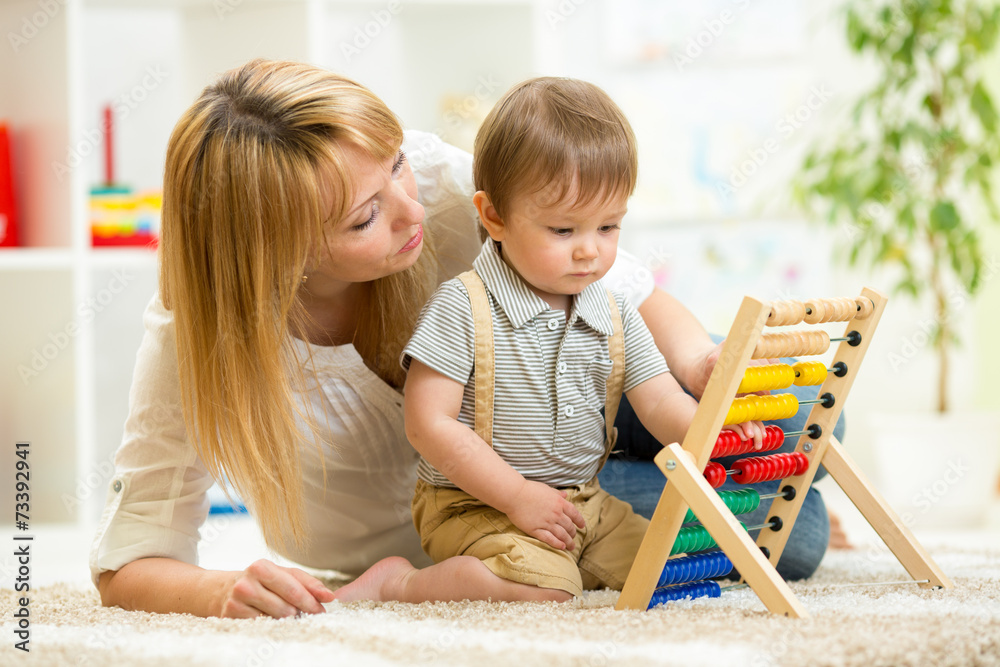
x,y
734,587
881,583
763,525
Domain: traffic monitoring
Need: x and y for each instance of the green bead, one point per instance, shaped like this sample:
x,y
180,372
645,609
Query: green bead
x,y
692,539
741,501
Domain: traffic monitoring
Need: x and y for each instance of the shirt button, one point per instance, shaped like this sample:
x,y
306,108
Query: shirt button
x,y
553,324
117,486
562,366
569,410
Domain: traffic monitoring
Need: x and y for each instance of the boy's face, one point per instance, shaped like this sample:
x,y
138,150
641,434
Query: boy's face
x,y
559,247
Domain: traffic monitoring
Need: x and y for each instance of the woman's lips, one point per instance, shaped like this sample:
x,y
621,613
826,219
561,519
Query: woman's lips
x,y
414,242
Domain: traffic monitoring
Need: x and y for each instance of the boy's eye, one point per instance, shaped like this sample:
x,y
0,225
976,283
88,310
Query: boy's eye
x,y
608,228
561,231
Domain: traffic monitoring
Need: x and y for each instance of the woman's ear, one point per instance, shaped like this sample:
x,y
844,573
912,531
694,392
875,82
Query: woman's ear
x,y
492,223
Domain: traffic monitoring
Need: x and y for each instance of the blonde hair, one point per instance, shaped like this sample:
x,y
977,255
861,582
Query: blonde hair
x,y
243,215
547,131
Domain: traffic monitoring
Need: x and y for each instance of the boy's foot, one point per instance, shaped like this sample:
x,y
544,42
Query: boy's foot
x,y
384,581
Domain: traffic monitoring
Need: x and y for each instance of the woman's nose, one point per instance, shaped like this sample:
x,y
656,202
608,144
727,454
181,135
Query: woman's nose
x,y
410,211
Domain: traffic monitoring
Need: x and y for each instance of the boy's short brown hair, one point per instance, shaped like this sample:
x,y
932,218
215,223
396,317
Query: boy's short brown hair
x,y
547,130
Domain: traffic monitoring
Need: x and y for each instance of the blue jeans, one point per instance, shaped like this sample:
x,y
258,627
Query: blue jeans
x,y
632,476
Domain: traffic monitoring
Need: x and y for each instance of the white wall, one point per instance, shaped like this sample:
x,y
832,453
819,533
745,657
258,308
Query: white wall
x,y
700,123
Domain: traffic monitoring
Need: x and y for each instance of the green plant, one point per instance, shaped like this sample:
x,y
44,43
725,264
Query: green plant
x,y
911,180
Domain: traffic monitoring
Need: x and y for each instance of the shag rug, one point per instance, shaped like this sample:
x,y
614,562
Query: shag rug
x,y
894,624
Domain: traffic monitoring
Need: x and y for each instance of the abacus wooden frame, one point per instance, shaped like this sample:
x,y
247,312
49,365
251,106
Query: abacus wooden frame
x,y
687,487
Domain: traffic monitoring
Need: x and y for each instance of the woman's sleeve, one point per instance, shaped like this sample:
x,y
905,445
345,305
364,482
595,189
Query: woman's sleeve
x,y
642,358
444,185
630,277
158,497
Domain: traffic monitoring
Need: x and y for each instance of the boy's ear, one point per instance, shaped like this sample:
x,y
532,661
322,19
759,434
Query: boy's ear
x,y
492,223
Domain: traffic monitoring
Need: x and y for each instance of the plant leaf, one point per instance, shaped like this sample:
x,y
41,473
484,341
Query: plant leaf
x,y
982,105
944,217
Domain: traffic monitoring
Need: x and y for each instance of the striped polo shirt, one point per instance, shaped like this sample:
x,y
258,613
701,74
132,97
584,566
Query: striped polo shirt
x,y
550,374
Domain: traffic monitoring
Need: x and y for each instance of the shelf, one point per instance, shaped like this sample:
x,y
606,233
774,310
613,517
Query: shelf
x,y
100,258
35,259
62,259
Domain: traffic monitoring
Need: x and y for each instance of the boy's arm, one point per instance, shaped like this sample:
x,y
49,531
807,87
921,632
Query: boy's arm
x,y
431,408
666,411
681,339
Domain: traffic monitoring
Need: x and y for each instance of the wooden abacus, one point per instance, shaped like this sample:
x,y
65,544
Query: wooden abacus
x,y
655,577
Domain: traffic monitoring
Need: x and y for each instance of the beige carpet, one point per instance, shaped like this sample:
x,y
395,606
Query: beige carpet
x,y
879,625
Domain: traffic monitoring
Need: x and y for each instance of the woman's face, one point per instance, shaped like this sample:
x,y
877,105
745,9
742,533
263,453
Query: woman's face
x,y
382,232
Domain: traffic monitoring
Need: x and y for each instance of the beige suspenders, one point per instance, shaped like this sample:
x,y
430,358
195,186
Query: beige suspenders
x,y
483,322
483,325
616,381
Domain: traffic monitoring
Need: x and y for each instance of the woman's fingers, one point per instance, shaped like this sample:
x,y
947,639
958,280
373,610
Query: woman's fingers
x,y
249,598
282,582
235,609
316,587
266,588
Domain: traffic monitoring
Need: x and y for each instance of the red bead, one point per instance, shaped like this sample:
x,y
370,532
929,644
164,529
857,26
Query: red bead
x,y
727,444
766,468
715,474
774,438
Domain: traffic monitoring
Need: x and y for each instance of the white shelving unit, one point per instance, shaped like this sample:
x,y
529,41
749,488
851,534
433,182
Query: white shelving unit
x,y
72,313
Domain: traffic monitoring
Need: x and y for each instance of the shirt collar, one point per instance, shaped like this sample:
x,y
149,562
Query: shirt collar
x,y
521,305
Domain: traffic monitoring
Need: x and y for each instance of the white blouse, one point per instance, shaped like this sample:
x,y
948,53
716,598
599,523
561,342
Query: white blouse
x,y
158,498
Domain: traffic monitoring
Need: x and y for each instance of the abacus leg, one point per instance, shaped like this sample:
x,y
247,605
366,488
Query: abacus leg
x,y
910,553
640,483
727,532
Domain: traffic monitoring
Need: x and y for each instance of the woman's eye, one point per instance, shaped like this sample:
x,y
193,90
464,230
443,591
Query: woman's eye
x,y
370,221
399,163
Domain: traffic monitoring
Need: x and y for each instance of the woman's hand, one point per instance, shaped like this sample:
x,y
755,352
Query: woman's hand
x,y
266,589
545,514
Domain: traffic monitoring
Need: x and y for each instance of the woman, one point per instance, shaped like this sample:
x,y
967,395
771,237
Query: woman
x,y
294,261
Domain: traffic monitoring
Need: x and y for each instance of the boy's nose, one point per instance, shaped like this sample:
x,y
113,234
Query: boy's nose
x,y
587,249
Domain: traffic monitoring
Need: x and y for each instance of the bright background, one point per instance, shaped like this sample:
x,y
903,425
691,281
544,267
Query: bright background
x,y
769,72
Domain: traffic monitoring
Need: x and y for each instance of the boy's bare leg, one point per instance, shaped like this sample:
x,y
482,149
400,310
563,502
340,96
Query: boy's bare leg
x,y
452,580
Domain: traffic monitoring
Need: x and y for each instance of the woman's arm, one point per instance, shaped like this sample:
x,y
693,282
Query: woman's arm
x,y
432,404
158,501
682,340
165,585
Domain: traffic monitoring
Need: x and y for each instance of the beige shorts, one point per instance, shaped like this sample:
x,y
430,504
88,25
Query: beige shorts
x,y
453,523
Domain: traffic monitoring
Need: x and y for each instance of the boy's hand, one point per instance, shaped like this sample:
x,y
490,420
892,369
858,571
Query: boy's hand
x,y
749,431
545,514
